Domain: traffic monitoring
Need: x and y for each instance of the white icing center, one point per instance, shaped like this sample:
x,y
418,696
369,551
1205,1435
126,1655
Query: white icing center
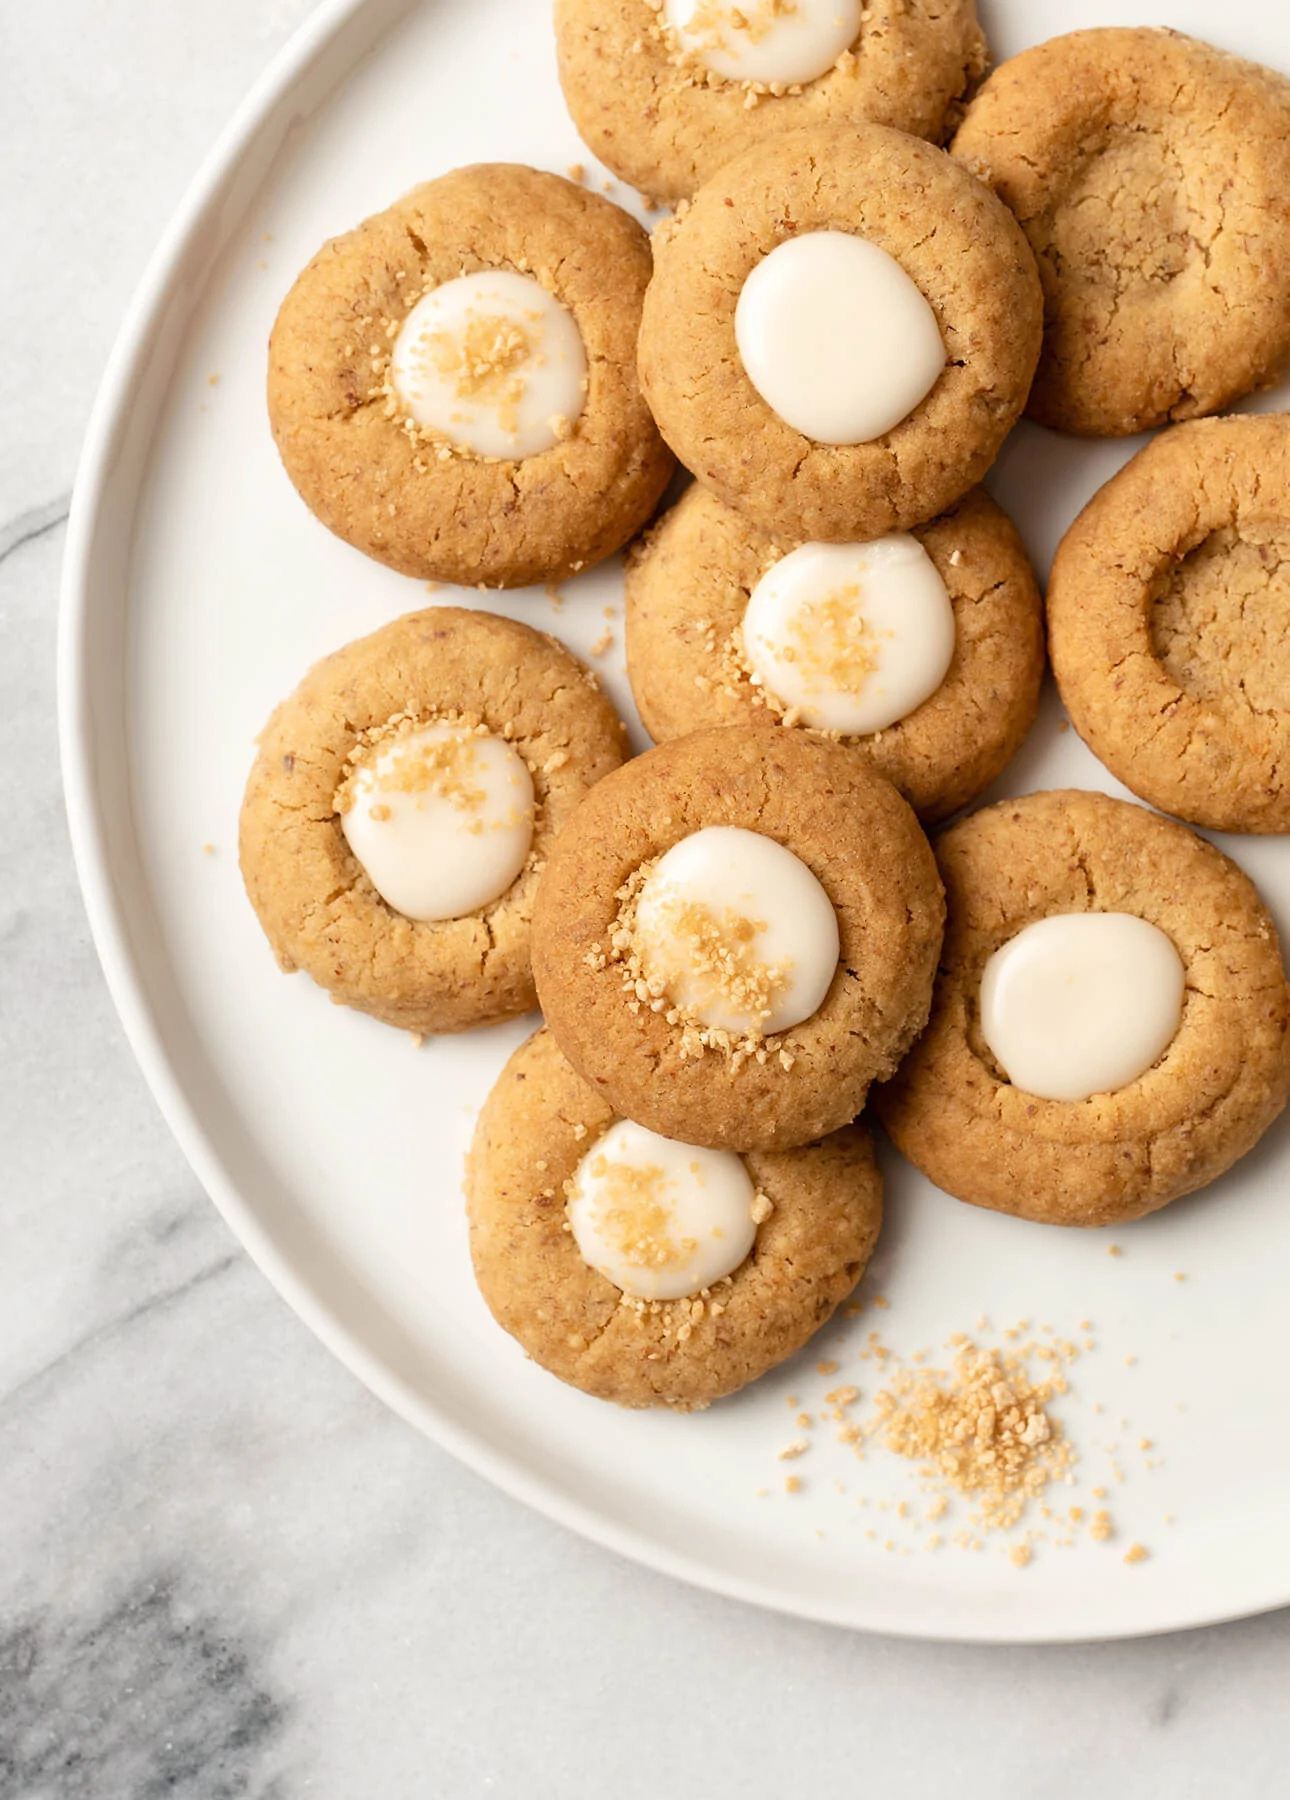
x,y
1081,1003
773,41
493,362
738,931
660,1219
836,338
853,636
441,819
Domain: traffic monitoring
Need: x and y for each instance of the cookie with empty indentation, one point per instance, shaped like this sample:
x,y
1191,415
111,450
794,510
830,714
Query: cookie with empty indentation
x,y
1109,1030
840,331
453,388
667,91
1151,174
735,934
924,651
401,806
644,1270
1169,623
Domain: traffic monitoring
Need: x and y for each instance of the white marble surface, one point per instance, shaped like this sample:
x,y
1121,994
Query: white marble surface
x,y
224,1569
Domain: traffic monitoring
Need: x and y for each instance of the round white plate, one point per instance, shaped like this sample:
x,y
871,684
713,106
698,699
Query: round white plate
x,y
198,589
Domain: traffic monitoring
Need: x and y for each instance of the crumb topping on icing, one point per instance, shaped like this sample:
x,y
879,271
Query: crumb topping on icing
x,y
830,642
634,1215
711,20
719,953
446,767
709,28
484,361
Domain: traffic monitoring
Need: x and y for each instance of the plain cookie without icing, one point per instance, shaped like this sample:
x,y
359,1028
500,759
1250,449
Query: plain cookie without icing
x,y
666,126
318,909
688,583
855,835
1169,623
962,249
1151,174
414,501
1218,1086
533,1130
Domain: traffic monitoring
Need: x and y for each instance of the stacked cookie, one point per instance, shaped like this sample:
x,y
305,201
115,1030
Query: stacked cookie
x,y
1072,1009
736,934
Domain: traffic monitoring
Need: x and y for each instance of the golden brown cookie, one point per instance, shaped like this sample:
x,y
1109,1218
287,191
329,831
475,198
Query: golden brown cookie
x,y
658,117
1151,174
688,584
950,235
858,839
1219,1084
412,497
825,1210
317,905
1169,618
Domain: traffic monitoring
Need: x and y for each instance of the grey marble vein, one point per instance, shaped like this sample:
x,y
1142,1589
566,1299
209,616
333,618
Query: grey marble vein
x,y
81,1697
31,1386
32,524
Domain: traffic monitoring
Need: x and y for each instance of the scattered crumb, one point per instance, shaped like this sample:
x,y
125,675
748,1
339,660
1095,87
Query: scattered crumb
x,y
792,1484
1180,1277
212,381
826,1368
1019,1555
576,172
1101,1528
208,849
791,1451
1135,1554
981,1430
1114,1250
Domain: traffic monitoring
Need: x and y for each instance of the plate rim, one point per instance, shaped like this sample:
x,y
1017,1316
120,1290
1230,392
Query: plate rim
x,y
127,986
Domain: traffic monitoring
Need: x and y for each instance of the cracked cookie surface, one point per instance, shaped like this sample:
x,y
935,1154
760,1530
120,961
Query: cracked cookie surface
x,y
1151,174
664,125
1169,623
1206,1101
318,909
689,581
856,836
419,507
953,237
534,1129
